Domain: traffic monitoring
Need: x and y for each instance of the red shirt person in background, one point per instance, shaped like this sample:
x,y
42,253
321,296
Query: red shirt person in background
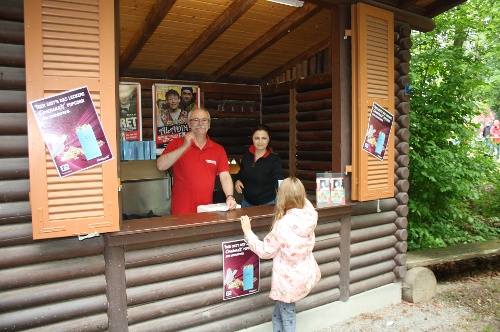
x,y
495,137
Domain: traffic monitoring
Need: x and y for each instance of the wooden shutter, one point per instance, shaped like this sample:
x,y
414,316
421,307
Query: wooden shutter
x,y
373,81
70,45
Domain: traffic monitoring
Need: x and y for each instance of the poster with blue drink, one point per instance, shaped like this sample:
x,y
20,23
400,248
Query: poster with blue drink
x,y
72,131
241,269
377,134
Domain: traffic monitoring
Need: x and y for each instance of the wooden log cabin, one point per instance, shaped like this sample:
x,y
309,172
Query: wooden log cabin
x,y
310,72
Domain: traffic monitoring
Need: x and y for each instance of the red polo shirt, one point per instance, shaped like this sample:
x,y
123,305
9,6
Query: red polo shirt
x,y
194,174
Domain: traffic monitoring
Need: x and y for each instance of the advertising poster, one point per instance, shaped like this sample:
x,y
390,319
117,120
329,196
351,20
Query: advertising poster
x,y
379,128
72,131
130,111
241,269
171,107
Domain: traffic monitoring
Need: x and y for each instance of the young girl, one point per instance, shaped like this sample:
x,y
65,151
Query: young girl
x,y
290,244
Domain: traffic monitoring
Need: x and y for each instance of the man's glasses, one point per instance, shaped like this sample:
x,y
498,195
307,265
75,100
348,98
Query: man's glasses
x,y
196,120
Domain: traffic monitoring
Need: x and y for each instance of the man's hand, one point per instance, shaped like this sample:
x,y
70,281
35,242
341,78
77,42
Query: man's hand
x,y
245,224
188,138
231,202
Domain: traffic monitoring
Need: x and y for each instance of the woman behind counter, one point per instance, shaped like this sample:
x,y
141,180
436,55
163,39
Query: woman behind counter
x,y
260,171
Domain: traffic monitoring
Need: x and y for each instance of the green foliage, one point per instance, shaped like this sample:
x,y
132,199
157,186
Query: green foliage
x,y
449,167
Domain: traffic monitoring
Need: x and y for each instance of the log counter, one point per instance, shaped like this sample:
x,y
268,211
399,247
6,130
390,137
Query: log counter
x,y
166,272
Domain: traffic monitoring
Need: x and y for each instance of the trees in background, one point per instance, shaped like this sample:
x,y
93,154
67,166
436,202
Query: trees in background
x,y
455,73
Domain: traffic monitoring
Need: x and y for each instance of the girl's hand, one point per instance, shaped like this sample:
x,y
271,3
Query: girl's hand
x,y
245,223
239,186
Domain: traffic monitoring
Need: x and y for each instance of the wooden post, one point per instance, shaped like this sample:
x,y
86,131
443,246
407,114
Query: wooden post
x,y
116,291
345,256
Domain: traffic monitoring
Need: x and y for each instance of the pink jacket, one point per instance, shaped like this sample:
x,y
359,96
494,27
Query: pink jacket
x,y
495,134
290,245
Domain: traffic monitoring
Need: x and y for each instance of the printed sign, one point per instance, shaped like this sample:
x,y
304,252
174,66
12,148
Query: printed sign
x,y
379,128
72,131
241,269
171,105
130,111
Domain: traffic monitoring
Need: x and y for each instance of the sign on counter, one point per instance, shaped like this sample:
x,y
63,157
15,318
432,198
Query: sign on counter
x,y
241,269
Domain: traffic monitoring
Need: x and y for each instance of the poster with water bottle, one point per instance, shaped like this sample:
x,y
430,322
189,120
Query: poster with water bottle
x,y
377,134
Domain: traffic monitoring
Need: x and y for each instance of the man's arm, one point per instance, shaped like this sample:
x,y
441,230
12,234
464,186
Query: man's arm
x,y
166,161
227,186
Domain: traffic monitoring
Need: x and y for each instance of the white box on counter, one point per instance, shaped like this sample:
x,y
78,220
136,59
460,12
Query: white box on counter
x,y
220,207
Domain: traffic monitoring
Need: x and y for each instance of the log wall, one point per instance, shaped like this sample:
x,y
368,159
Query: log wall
x,y
378,234
174,276
276,115
45,285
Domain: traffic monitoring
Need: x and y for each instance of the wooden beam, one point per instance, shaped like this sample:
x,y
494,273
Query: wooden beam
x,y
298,59
289,23
217,28
439,7
155,16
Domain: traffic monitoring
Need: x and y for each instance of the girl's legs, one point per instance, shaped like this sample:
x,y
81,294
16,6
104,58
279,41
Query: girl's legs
x,y
284,319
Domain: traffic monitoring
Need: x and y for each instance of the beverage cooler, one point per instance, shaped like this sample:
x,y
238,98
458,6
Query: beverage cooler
x,y
146,191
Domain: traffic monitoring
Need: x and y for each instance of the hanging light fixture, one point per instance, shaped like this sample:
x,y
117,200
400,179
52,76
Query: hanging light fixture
x,y
293,3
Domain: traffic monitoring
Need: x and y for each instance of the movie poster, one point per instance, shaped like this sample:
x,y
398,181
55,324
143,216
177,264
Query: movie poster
x,y
241,269
171,107
379,128
130,111
72,131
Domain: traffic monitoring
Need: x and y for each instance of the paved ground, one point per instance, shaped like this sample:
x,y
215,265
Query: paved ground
x,y
467,300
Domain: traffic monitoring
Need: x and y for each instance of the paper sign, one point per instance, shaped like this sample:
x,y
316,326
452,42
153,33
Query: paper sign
x,y
130,111
72,131
171,107
379,128
241,269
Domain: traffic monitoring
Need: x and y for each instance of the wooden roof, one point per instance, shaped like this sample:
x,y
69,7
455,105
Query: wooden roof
x,y
240,40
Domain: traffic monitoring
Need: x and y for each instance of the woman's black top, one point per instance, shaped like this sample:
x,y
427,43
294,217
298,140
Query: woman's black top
x,y
260,178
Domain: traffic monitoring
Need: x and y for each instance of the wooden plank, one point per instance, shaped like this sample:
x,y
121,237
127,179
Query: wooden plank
x,y
452,253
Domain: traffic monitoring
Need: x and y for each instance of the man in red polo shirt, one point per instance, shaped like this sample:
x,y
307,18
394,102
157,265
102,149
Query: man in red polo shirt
x,y
197,160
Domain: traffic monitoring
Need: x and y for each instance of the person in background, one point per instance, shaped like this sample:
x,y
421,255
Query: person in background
x,y
172,114
196,161
290,244
260,171
187,99
161,106
495,138
487,138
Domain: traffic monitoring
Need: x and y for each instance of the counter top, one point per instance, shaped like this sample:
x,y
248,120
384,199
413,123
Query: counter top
x,y
197,224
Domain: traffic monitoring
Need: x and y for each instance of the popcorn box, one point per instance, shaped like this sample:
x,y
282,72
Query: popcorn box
x,y
88,142
248,277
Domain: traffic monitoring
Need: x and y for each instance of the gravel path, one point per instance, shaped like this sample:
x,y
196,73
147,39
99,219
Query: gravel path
x,y
466,301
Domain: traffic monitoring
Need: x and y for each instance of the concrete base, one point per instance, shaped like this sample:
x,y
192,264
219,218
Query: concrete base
x,y
419,285
329,314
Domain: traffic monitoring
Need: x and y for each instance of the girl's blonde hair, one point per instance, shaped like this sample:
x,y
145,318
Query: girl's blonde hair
x,y
291,194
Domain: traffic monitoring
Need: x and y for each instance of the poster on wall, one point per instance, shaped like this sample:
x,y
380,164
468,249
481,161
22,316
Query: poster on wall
x,y
72,131
171,107
379,128
130,111
240,268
